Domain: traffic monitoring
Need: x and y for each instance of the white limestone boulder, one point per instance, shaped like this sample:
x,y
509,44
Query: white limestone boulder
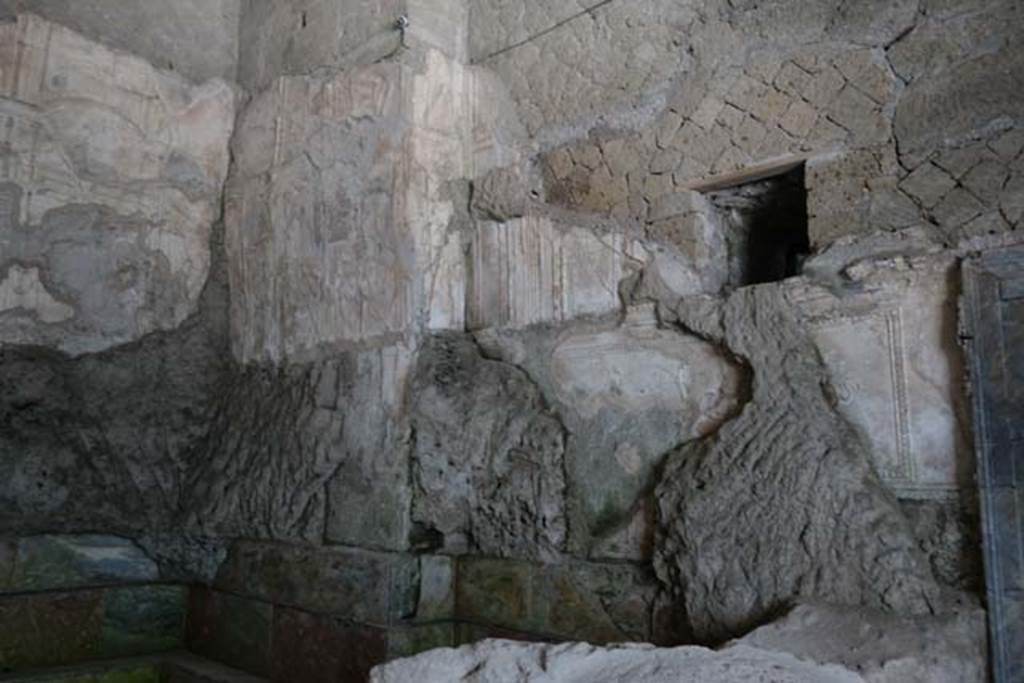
x,y
505,661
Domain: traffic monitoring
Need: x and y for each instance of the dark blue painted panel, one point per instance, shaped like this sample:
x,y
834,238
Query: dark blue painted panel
x,y
994,305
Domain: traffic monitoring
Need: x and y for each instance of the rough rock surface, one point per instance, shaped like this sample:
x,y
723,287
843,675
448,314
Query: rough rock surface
x,y
628,393
488,459
782,502
279,435
501,661
110,184
883,648
571,65
103,441
949,534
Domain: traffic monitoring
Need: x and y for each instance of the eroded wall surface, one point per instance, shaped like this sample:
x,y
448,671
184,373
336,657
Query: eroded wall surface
x,y
111,180
482,366
196,38
111,311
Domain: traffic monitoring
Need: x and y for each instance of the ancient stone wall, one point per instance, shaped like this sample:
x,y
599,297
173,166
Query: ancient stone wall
x,y
460,344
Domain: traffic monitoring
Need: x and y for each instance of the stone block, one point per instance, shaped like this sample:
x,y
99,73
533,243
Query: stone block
x,y
496,592
50,629
531,270
928,184
799,119
436,588
112,182
232,630
143,620
41,563
314,648
573,600
369,587
958,208
406,641
369,495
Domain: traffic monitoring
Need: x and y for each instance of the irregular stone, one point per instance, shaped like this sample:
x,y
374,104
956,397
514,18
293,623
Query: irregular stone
x,y
112,182
488,458
501,660
882,648
300,447
500,195
627,394
135,414
570,72
735,543
949,533
272,449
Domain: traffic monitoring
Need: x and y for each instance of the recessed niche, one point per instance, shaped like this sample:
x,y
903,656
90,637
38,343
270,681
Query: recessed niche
x,y
763,224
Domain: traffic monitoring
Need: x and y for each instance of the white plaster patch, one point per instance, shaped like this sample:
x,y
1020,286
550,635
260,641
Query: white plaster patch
x,y
897,372
639,368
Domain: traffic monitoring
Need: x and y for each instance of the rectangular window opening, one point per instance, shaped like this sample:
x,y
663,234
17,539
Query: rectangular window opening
x,y
764,227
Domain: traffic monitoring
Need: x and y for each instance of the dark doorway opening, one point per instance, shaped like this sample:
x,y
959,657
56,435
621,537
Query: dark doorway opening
x,y
764,223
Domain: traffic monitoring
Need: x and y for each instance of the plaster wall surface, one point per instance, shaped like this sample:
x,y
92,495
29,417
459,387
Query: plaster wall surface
x,y
301,36
196,38
111,183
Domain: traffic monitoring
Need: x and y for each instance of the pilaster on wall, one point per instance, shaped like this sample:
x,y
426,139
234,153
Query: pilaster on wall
x,y
341,212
